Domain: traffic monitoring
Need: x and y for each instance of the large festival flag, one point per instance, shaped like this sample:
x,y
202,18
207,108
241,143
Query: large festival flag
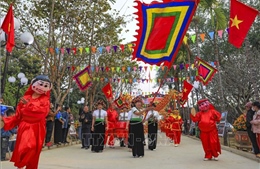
x,y
107,90
162,26
83,79
241,19
8,28
205,71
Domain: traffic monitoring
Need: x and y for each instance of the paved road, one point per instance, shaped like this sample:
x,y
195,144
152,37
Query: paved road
x,y
189,155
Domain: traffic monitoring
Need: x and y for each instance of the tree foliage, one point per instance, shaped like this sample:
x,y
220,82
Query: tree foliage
x,y
73,24
237,67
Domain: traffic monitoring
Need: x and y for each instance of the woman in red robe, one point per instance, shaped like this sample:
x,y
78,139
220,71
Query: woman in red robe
x,y
207,118
30,118
112,118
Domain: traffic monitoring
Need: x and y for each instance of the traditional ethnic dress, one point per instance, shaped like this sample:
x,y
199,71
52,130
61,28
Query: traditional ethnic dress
x,y
152,117
99,130
175,127
136,133
121,131
30,119
112,117
167,126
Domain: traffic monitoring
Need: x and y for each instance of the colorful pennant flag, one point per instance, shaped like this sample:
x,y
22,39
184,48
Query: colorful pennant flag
x,y
162,29
8,28
107,90
83,79
119,101
205,71
241,19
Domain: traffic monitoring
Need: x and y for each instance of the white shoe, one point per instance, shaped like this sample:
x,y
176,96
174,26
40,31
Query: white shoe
x,y
207,159
216,158
176,145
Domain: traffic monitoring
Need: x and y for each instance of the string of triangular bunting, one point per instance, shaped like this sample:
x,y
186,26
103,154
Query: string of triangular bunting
x,y
88,50
203,35
181,66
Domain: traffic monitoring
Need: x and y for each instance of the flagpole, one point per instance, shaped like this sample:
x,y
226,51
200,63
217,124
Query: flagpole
x,y
220,87
1,62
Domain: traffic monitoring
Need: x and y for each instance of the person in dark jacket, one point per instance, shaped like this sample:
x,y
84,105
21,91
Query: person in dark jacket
x,y
249,117
50,124
86,120
65,127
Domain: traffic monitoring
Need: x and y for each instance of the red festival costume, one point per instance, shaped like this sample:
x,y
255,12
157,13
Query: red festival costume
x,y
175,128
167,126
30,119
207,118
112,117
121,131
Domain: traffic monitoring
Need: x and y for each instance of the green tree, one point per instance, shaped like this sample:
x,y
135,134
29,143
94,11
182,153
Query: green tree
x,y
69,24
20,62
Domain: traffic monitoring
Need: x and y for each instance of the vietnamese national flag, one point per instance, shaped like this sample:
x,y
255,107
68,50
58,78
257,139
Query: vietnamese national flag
x,y
107,89
241,19
8,28
187,87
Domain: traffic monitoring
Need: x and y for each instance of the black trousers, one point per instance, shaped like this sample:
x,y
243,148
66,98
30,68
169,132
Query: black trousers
x,y
65,134
86,136
57,132
49,128
252,137
137,138
130,137
152,135
4,147
98,137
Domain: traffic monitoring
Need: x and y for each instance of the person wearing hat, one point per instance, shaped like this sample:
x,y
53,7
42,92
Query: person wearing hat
x,y
252,136
175,127
152,117
207,117
122,133
136,128
167,124
98,127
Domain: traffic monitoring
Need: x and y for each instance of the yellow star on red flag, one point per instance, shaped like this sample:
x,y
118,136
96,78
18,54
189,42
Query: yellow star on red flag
x,y
235,22
107,89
